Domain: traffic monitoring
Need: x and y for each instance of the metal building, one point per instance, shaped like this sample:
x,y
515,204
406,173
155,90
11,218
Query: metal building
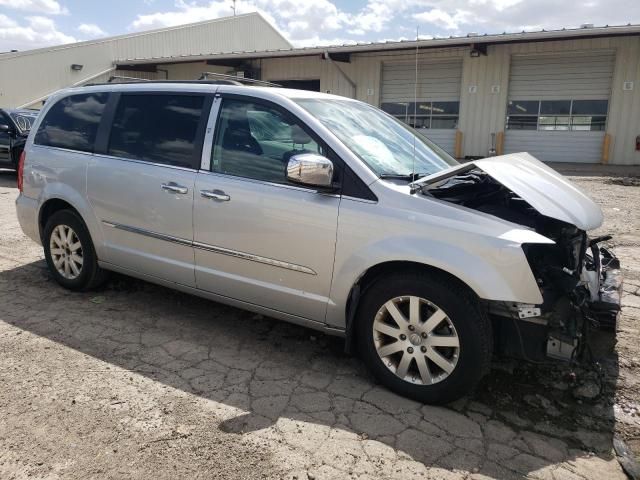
x,y
27,78
567,95
570,95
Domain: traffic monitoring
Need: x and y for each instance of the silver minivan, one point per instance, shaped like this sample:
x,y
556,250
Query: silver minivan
x,y
321,211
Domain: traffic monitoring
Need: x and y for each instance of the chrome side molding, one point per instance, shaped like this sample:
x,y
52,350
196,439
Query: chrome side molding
x,y
212,248
254,258
149,233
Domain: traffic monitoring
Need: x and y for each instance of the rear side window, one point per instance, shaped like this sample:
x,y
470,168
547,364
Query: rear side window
x,y
158,128
73,122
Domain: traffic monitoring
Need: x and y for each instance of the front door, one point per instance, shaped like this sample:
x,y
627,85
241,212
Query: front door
x,y
259,238
142,188
6,139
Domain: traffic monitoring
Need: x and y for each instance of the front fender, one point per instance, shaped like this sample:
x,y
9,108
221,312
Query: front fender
x,y
494,267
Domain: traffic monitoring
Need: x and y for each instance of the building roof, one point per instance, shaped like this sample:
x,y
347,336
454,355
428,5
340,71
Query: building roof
x,y
214,23
95,60
588,31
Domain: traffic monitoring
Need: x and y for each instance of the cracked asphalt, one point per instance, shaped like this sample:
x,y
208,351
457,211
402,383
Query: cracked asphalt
x,y
138,381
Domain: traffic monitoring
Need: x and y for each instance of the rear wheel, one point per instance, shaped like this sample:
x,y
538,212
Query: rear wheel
x,y
69,252
424,337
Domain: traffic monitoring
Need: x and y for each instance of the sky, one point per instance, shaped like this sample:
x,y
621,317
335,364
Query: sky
x,y
27,24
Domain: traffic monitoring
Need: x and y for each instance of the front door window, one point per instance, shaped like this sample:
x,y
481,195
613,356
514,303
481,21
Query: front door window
x,y
256,141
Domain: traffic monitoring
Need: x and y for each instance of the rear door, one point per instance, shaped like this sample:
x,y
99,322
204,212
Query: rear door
x,y
141,185
259,238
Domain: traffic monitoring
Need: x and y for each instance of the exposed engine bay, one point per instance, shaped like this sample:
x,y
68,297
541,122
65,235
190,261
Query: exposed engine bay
x,y
580,282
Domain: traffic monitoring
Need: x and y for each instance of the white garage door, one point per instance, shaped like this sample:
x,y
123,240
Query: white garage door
x,y
557,107
435,113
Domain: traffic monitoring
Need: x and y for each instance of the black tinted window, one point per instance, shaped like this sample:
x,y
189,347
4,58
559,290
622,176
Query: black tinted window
x,y
555,107
73,122
523,107
590,107
158,128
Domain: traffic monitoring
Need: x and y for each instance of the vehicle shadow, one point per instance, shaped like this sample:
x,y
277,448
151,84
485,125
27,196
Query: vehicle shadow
x,y
521,419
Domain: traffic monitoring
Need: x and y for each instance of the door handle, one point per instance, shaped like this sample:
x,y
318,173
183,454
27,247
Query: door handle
x,y
218,195
174,188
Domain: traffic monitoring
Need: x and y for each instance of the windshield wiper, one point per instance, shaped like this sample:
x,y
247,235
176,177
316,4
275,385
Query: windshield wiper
x,y
410,177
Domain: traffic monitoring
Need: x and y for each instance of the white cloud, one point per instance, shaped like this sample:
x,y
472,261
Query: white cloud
x,y
36,32
300,22
42,7
459,17
324,21
186,13
447,21
6,22
91,30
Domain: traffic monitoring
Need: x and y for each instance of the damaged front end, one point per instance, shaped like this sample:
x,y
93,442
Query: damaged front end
x,y
579,281
581,286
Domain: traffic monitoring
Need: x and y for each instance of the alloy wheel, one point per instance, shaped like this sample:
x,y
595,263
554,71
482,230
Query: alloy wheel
x,y
416,340
66,251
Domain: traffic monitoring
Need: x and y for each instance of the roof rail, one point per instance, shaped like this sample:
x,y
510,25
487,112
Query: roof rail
x,y
234,80
224,80
127,79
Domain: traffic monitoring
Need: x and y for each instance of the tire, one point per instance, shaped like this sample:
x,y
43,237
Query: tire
x,y
88,275
463,321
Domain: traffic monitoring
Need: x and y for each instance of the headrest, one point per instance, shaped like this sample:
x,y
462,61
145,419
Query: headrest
x,y
299,136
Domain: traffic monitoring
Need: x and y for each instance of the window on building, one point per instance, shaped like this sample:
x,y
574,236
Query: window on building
x,y
158,128
557,114
434,115
73,122
589,114
256,141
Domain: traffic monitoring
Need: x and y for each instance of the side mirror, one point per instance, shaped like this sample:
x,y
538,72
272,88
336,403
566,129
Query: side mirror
x,y
310,169
5,128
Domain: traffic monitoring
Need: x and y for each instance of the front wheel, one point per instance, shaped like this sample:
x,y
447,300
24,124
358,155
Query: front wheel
x,y
424,336
69,252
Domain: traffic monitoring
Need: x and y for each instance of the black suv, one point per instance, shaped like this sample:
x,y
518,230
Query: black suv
x,y
14,128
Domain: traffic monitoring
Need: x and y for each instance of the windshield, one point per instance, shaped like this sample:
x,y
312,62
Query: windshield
x,y
24,120
385,144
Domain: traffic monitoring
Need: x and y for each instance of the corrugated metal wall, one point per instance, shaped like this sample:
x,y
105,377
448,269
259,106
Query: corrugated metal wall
x,y
483,101
623,123
485,87
26,76
485,84
335,77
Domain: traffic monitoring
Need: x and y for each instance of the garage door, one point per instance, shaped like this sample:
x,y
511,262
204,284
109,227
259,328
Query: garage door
x,y
557,106
435,114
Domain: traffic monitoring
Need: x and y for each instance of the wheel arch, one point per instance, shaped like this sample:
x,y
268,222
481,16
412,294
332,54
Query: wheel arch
x,y
51,206
380,270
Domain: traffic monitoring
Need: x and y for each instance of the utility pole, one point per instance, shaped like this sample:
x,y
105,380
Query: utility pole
x,y
233,7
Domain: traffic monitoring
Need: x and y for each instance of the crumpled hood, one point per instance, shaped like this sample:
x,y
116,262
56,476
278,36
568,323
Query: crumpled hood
x,y
550,193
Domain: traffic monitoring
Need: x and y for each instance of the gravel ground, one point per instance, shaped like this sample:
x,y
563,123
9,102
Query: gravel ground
x,y
138,381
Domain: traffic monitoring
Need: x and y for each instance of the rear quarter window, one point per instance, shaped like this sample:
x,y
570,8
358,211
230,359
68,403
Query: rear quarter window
x,y
72,122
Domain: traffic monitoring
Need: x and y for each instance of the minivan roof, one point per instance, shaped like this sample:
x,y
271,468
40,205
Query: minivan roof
x,y
195,86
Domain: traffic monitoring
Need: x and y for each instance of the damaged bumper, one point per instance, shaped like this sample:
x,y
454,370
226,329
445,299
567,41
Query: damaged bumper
x,y
559,328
